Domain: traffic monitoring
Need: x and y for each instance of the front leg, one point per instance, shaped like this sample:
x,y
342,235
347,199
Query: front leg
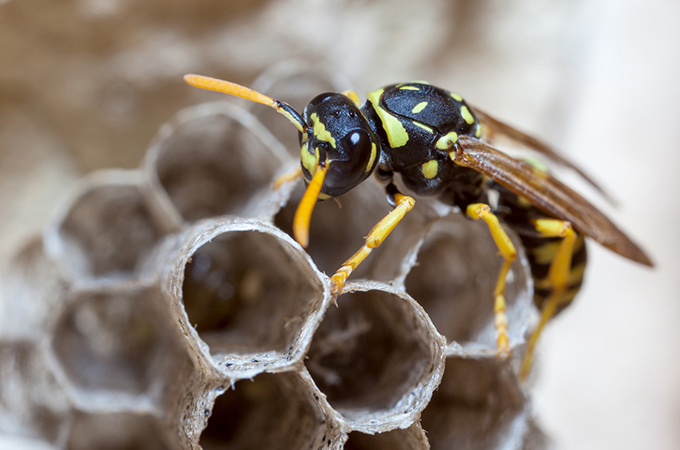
x,y
286,177
377,235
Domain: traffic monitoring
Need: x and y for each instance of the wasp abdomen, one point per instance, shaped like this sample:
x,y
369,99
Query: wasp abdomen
x,y
542,251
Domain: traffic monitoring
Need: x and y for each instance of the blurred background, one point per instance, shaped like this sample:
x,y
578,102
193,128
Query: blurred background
x,y
85,84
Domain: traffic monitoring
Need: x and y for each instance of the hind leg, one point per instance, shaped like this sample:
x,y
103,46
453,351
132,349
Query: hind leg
x,y
557,280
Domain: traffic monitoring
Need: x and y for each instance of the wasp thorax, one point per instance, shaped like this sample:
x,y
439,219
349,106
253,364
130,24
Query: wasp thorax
x,y
340,137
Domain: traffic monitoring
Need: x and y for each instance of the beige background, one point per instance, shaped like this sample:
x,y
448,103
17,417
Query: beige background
x,y
85,84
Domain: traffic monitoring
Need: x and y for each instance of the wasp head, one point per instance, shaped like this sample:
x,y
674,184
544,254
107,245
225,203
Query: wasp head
x,y
339,148
338,138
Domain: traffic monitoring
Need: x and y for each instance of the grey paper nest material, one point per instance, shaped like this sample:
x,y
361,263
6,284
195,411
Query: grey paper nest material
x,y
168,307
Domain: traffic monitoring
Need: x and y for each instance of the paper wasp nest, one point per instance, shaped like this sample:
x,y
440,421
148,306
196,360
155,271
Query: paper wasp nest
x,y
168,307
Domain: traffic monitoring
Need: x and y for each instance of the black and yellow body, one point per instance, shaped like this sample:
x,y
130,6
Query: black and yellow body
x,y
541,251
434,140
418,124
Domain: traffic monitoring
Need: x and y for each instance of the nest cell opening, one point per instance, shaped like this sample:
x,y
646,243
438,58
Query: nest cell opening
x,y
118,430
271,411
475,406
338,227
245,293
108,231
212,166
368,353
115,343
455,277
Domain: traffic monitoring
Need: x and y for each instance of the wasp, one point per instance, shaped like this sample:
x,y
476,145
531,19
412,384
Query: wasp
x,y
433,139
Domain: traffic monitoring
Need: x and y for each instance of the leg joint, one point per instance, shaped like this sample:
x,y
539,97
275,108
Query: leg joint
x,y
554,227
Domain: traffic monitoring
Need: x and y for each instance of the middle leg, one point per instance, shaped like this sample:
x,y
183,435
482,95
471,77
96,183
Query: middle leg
x,y
507,250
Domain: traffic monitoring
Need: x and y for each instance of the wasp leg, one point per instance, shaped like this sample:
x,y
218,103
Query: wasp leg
x,y
377,235
286,177
558,279
482,211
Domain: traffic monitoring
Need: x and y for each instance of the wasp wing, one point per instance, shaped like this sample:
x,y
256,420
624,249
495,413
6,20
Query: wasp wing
x,y
547,194
498,126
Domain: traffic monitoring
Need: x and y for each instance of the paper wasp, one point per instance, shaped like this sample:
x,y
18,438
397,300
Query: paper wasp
x,y
433,139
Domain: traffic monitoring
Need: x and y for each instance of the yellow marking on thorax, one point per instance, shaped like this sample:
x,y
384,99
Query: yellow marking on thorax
x,y
320,131
467,115
409,88
396,133
423,126
478,131
447,141
430,169
419,107
456,97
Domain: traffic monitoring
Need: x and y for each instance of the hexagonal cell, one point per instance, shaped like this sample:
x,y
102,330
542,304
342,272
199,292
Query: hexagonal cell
x,y
117,347
271,411
212,160
33,288
454,279
108,230
479,404
296,83
411,438
248,291
376,357
242,291
117,430
32,403
338,228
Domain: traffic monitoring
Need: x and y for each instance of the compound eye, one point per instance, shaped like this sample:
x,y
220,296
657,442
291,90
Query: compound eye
x,y
358,144
354,166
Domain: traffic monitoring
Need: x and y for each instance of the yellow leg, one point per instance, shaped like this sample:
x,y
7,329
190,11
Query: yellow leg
x,y
377,235
482,211
558,278
286,177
